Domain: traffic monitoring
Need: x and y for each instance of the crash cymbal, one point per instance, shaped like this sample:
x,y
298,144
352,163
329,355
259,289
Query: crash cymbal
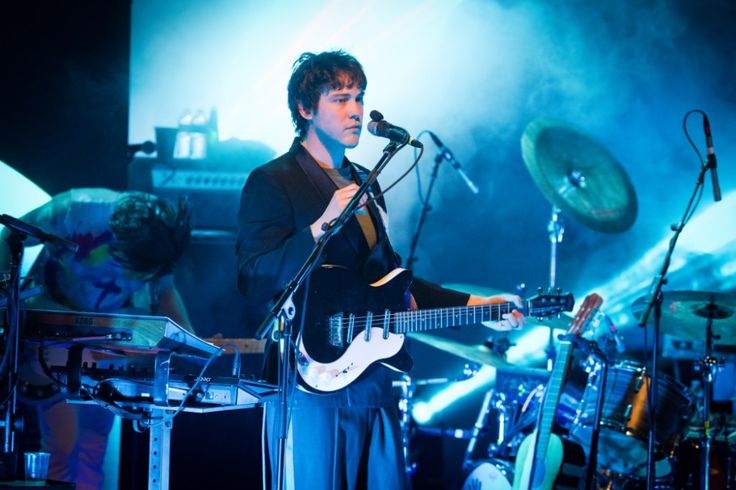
x,y
474,353
579,176
685,315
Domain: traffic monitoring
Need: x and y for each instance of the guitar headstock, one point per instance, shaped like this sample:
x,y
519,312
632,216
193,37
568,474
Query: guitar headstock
x,y
552,303
585,313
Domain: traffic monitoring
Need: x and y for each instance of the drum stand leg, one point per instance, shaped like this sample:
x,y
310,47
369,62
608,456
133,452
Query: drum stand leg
x,y
480,422
709,366
590,477
405,406
555,232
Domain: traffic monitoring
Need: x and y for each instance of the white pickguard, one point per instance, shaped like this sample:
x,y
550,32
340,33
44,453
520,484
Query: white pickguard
x,y
357,357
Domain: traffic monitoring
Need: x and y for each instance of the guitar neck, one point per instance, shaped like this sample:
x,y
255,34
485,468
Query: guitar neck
x,y
434,319
551,400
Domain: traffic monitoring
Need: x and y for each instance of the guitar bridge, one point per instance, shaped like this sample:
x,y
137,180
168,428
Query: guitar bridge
x,y
335,336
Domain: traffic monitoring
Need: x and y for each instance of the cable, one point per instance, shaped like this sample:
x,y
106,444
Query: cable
x,y
700,159
413,165
420,193
196,384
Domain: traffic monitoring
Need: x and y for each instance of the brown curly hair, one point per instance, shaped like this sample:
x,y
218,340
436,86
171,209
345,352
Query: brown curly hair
x,y
150,233
313,74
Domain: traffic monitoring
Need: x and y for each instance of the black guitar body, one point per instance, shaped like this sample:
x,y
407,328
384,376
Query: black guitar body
x,y
336,290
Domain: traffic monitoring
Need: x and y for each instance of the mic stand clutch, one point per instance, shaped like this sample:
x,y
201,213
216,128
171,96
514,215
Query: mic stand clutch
x,y
654,302
280,317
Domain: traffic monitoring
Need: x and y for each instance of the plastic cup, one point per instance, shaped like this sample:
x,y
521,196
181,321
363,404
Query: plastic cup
x,y
37,466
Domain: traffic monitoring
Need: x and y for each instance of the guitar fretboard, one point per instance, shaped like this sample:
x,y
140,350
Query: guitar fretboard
x,y
422,320
551,399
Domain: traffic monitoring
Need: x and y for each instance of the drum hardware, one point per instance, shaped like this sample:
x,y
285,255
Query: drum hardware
x,y
406,402
625,422
684,313
497,472
491,474
708,366
555,232
480,423
689,461
580,178
592,351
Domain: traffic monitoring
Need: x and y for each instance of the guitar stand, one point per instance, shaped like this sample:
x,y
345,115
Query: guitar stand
x,y
591,348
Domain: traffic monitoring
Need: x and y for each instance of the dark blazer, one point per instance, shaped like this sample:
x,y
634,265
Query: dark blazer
x,y
280,200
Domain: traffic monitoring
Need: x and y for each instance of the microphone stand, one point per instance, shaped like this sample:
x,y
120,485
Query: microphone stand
x,y
19,233
653,302
279,318
9,421
426,208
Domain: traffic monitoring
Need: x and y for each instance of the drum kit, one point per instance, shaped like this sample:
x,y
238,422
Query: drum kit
x,y
583,180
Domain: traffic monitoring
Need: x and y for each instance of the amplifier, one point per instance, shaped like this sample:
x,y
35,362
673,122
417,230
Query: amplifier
x,y
211,186
213,195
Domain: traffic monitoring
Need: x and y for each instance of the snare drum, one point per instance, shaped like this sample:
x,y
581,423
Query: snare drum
x,y
490,474
623,438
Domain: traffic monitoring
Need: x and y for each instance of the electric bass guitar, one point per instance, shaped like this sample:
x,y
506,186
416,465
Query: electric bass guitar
x,y
349,324
541,453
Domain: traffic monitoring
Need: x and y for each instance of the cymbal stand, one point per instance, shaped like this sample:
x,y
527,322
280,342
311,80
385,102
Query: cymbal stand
x,y
709,366
555,232
405,404
480,423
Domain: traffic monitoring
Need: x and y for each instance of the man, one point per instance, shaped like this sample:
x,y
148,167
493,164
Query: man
x,y
350,438
128,245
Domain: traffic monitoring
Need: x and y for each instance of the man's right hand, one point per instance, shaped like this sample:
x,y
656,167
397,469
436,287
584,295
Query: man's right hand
x,y
339,200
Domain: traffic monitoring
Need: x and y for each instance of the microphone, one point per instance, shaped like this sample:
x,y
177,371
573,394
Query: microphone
x,y
31,231
384,129
447,155
712,163
146,147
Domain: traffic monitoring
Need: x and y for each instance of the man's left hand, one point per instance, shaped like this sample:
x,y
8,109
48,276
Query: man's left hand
x,y
509,321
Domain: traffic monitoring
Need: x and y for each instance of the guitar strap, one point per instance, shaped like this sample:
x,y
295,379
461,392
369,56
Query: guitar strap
x,y
377,210
382,258
326,188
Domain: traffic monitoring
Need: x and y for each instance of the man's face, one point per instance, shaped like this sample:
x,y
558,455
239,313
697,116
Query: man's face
x,y
338,118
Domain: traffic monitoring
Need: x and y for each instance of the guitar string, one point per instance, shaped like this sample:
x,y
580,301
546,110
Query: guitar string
x,y
360,322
